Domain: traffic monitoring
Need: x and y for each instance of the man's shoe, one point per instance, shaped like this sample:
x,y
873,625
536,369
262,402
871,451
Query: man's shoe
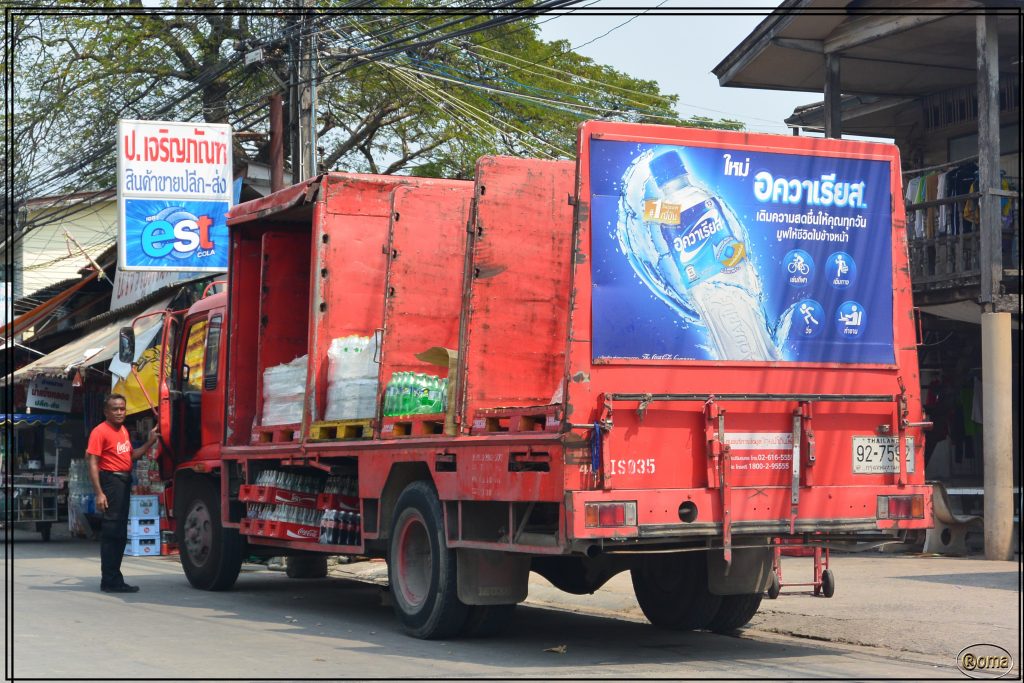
x,y
123,588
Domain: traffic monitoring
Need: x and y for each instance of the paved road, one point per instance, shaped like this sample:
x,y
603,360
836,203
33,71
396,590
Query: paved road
x,y
274,627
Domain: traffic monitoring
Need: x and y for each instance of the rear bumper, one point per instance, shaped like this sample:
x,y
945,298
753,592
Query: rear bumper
x,y
754,510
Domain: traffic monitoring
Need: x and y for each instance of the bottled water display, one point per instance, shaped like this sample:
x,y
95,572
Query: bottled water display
x,y
352,378
338,527
689,248
415,393
284,391
291,481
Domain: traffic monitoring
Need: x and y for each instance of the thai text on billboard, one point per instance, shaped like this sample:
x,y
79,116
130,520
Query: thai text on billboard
x,y
174,192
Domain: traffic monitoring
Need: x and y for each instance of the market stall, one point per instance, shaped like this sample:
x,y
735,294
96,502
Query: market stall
x,y
35,455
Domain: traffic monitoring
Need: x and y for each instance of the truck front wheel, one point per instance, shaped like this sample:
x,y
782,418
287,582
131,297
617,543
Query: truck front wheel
x,y
672,591
735,612
421,568
210,554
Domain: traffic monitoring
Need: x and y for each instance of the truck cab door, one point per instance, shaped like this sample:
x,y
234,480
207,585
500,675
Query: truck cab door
x,y
168,385
187,430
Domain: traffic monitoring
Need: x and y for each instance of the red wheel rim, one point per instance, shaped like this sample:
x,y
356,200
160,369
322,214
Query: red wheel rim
x,y
414,561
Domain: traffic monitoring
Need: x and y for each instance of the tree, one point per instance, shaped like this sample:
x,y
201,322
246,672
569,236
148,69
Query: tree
x,y
398,90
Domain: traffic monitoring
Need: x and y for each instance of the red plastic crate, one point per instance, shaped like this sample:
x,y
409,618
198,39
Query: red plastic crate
x,y
291,532
288,531
272,495
335,501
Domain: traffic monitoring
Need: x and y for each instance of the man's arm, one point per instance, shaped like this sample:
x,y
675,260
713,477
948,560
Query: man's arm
x,y
137,453
94,477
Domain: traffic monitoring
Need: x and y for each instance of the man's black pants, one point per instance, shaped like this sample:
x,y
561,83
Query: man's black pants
x,y
114,529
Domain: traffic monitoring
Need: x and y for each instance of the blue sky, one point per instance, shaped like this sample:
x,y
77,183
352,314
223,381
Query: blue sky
x,y
679,52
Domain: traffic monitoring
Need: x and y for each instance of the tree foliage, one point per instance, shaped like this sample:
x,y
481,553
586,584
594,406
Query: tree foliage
x,y
396,91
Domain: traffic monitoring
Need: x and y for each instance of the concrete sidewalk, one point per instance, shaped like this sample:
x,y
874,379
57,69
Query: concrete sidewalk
x,y
919,607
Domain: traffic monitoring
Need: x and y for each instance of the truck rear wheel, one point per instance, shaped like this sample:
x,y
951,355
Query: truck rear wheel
x,y
421,568
210,554
672,591
735,612
306,567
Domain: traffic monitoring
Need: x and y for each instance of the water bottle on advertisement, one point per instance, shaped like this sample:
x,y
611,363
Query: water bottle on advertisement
x,y
703,261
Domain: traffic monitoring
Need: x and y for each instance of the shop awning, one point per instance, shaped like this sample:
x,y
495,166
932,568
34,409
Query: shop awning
x,y
98,346
19,419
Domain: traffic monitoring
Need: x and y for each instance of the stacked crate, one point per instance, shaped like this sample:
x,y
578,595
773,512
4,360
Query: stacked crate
x,y
143,526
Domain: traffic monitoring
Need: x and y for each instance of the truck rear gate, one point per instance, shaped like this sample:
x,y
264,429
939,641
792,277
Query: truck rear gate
x,y
606,394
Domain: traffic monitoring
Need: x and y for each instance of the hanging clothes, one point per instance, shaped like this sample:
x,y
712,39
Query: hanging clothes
x,y
911,198
931,194
940,193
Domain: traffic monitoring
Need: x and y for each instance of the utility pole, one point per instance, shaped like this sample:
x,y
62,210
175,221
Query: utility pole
x,y
304,154
996,334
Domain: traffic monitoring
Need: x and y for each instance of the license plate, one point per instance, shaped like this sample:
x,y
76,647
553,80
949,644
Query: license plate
x,y
877,455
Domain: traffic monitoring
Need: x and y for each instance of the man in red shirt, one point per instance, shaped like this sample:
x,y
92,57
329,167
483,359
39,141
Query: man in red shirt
x,y
110,456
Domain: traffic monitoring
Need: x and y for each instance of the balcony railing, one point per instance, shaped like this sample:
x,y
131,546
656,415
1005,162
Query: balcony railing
x,y
945,247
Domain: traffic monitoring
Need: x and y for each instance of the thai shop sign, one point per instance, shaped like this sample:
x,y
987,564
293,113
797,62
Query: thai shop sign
x,y
174,190
50,393
724,254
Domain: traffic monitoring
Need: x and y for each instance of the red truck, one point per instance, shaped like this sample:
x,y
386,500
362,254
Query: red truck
x,y
667,357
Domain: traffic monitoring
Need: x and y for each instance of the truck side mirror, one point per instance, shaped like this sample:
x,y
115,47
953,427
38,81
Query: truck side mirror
x,y
126,345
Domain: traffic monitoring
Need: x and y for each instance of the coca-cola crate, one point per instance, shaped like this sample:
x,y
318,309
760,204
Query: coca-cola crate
x,y
412,425
290,531
249,527
272,495
336,501
143,526
519,419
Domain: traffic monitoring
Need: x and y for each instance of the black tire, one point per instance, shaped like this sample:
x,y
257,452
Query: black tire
x,y
774,587
672,591
735,612
828,583
487,621
210,554
305,566
44,530
422,569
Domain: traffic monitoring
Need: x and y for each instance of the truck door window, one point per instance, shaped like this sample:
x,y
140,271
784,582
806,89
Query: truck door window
x,y
212,353
195,346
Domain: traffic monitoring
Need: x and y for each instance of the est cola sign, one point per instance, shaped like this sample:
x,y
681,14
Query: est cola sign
x,y
174,190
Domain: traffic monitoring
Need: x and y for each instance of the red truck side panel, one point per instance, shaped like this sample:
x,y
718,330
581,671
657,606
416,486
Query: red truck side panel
x,y
513,339
424,276
350,231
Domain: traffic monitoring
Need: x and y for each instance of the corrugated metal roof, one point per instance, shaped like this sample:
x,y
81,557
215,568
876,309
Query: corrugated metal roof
x,y
98,346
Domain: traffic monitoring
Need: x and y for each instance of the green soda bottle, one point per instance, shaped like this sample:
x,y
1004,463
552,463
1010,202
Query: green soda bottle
x,y
405,395
422,404
435,395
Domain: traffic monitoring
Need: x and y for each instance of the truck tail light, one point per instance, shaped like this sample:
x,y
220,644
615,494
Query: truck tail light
x,y
610,514
901,507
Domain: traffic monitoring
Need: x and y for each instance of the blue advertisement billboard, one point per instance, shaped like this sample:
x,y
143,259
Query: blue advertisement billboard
x,y
710,253
163,234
